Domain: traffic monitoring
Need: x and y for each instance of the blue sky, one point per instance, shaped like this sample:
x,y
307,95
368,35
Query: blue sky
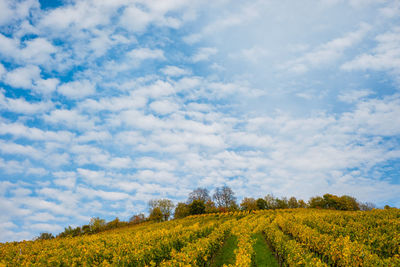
x,y
107,104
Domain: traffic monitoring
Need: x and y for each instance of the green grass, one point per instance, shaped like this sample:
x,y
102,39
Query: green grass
x,y
226,254
263,255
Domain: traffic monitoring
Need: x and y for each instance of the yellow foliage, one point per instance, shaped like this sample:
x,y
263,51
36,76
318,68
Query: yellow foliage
x,y
298,237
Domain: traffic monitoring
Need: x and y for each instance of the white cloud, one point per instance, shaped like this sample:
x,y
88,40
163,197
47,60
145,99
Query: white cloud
x,y
23,77
392,9
94,136
254,54
354,96
151,163
2,71
175,71
244,14
20,130
20,105
45,227
353,3
77,89
375,117
80,15
46,86
120,163
164,107
106,195
70,118
8,46
42,217
162,177
141,54
65,179
385,56
37,51
204,54
326,53
15,10
151,13
114,104
141,18
17,149
12,166
29,77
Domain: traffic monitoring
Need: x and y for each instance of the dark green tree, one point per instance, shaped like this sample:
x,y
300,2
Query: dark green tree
x,y
261,204
197,207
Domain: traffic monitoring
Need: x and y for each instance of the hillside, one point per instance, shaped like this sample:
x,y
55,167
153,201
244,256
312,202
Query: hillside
x,y
296,237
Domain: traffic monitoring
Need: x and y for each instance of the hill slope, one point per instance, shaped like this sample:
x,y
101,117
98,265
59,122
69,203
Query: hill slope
x,y
297,237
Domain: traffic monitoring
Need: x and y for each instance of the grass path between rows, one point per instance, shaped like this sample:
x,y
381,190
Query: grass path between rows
x,y
226,255
263,255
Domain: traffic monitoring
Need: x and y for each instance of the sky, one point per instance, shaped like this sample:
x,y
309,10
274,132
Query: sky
x,y
107,104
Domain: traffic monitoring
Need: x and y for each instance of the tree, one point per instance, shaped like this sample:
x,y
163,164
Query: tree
x,y
329,201
156,215
249,203
96,224
181,210
137,218
316,202
333,202
210,206
302,204
165,205
282,203
261,204
45,236
115,223
86,229
199,194
225,198
366,206
270,201
292,203
348,203
197,207
68,231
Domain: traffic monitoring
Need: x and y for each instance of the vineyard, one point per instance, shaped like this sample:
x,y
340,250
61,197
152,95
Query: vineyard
x,y
298,237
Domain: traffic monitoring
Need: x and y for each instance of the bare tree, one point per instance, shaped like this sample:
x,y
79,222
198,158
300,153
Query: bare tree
x,y
367,206
199,194
225,197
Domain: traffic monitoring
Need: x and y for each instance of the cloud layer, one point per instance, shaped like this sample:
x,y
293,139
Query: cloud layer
x,y
108,104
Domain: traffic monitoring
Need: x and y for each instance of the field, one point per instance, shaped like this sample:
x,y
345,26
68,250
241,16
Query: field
x,y
297,237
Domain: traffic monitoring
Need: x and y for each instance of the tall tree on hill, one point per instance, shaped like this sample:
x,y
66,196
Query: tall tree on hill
x,y
225,198
201,194
164,205
181,210
249,203
156,214
270,201
292,203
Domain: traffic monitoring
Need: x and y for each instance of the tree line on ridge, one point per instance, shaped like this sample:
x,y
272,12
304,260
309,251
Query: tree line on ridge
x,y
200,201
